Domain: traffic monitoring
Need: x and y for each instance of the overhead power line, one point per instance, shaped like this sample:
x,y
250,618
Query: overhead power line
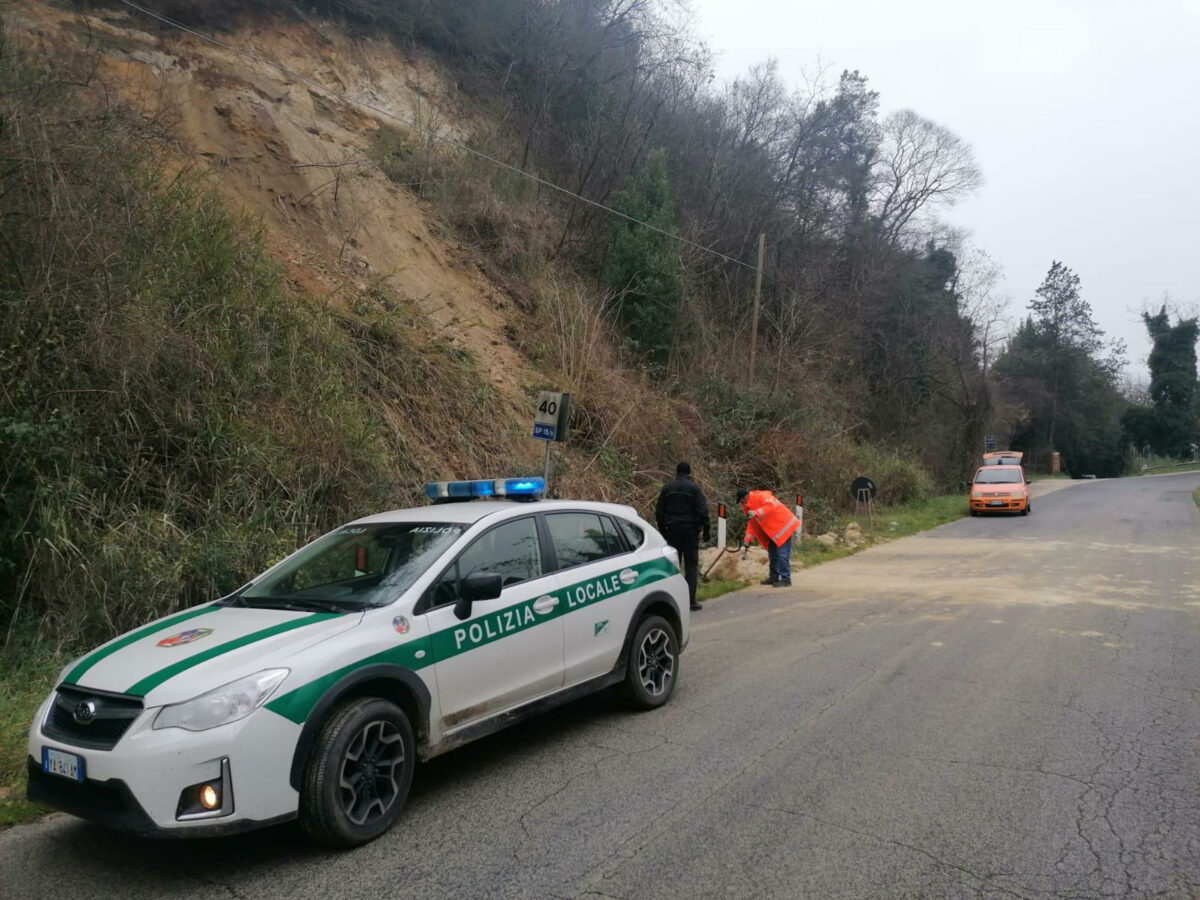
x,y
453,142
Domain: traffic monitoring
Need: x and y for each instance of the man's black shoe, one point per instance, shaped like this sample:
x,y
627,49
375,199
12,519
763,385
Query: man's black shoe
x,y
781,584
695,606
770,581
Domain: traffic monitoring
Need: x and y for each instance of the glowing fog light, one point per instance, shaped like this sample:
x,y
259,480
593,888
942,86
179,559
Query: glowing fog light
x,y
210,797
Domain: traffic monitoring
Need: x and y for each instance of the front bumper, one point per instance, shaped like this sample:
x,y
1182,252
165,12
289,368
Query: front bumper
x,y
1005,504
112,803
136,785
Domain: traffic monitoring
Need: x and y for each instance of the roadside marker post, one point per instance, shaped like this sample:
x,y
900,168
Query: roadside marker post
x,y
722,530
800,516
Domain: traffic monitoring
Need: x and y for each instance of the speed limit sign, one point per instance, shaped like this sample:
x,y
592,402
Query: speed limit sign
x,y
550,419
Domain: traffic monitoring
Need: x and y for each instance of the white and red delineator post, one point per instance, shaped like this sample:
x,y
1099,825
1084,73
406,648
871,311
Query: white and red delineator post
x,y
800,516
721,526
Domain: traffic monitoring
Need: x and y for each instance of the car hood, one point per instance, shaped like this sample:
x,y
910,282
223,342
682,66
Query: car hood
x,y
194,651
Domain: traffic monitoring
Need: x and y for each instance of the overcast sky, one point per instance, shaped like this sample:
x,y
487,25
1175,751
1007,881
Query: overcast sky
x,y
1083,114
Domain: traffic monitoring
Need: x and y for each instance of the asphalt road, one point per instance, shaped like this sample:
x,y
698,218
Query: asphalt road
x,y
1001,707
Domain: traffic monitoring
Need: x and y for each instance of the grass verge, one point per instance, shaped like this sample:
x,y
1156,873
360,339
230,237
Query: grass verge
x,y
23,685
1167,467
891,522
706,590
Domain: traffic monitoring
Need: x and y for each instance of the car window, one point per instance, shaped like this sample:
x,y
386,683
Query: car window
x,y
357,564
613,535
998,476
581,538
511,551
633,533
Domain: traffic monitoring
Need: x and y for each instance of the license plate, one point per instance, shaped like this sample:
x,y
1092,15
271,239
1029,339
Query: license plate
x,y
68,765
995,503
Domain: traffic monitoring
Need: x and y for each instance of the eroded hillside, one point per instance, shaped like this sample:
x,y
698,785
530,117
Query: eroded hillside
x,y
298,159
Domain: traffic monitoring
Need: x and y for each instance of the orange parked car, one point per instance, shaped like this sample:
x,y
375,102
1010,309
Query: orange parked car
x,y
999,489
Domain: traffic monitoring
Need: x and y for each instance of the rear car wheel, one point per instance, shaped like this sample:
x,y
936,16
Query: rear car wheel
x,y
358,774
653,664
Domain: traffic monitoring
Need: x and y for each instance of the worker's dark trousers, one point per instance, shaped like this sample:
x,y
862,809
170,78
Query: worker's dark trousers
x,y
686,542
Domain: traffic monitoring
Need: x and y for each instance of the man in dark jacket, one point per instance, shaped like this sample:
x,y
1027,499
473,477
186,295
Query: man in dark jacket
x,y
682,515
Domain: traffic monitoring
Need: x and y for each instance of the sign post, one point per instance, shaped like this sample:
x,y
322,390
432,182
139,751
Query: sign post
x,y
550,423
989,443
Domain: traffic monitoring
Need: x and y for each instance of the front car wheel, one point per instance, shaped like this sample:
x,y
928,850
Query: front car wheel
x,y
358,774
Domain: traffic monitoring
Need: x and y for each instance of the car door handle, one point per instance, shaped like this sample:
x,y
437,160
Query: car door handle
x,y
543,605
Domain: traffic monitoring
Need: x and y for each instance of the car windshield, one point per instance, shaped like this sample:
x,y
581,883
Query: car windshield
x,y
355,567
998,476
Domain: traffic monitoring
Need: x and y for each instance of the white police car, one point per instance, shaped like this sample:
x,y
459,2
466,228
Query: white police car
x,y
313,690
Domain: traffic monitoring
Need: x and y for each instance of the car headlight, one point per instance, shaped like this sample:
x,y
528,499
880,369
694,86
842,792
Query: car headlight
x,y
976,495
222,705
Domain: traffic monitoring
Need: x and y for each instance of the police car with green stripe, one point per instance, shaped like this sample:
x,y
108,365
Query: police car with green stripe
x,y
313,690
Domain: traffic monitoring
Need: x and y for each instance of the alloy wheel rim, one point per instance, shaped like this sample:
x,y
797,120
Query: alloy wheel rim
x,y
369,781
656,663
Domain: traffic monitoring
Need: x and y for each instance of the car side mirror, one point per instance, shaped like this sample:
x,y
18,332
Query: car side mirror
x,y
476,586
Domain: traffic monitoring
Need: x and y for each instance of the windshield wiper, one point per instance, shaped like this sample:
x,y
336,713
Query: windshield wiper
x,y
302,604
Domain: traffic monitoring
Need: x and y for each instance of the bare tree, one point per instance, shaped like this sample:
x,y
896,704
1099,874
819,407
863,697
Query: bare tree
x,y
919,163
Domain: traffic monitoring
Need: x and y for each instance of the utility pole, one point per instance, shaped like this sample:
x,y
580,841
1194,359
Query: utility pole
x,y
762,249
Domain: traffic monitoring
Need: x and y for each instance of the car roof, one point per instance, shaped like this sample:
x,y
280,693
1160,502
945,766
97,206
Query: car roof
x,y
468,512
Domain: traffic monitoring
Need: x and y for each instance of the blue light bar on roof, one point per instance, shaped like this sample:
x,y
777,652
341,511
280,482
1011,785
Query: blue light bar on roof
x,y
521,487
513,488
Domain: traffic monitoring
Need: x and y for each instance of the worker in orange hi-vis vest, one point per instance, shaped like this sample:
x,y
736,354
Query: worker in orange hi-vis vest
x,y
772,524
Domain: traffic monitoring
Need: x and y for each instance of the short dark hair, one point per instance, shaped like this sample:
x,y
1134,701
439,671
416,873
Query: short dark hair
x,y
742,495
683,468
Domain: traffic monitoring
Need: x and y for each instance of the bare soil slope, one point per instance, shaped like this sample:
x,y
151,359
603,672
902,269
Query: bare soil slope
x,y
296,157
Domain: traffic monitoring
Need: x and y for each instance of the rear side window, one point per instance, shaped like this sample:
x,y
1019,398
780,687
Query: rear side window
x,y
580,538
632,533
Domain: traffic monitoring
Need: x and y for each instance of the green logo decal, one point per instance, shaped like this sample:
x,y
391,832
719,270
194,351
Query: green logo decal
x,y
599,627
